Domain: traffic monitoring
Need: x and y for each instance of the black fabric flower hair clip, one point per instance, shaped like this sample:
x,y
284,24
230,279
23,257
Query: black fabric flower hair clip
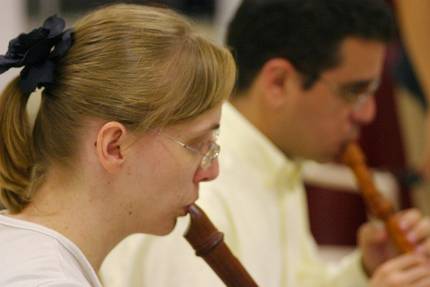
x,y
37,51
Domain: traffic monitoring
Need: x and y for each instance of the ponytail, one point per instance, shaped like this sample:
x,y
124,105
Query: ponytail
x,y
16,156
38,52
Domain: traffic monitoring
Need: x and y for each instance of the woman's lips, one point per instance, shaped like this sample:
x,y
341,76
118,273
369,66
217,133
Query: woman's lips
x,y
186,207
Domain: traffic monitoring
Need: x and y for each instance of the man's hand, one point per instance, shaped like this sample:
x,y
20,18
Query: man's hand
x,y
406,270
377,248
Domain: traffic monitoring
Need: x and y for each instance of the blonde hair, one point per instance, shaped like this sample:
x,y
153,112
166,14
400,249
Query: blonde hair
x,y
142,66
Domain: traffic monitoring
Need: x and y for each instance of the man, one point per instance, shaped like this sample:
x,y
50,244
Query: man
x,y
307,73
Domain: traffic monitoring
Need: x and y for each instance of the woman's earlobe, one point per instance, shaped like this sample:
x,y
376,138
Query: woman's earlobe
x,y
110,138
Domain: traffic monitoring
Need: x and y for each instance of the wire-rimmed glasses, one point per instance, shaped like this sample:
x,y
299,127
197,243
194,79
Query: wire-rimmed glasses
x,y
355,95
208,149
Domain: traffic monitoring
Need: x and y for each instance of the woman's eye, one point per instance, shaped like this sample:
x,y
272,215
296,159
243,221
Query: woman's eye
x,y
202,143
200,146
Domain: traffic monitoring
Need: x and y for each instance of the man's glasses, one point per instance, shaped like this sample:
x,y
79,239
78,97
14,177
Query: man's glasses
x,y
354,95
208,149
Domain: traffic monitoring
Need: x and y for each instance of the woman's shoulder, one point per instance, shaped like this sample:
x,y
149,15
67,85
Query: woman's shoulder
x,y
33,255
21,238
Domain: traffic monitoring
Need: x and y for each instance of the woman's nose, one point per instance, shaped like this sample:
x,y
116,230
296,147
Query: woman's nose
x,y
207,174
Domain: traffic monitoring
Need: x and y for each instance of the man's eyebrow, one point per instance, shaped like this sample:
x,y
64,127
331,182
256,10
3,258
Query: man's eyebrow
x,y
361,84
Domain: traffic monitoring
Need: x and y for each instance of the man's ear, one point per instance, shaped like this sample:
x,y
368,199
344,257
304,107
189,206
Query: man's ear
x,y
274,77
110,146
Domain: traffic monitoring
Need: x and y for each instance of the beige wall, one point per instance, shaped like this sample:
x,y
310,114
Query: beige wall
x,y
225,10
12,22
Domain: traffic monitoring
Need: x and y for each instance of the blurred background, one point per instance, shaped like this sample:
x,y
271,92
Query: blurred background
x,y
18,16
393,143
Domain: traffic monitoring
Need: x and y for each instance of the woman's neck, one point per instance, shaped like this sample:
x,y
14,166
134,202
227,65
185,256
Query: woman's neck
x,y
77,212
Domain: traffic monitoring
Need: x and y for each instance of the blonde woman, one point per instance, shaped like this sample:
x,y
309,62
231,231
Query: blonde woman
x,y
125,133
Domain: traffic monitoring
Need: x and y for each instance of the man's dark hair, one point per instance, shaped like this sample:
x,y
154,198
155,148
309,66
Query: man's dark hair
x,y
306,32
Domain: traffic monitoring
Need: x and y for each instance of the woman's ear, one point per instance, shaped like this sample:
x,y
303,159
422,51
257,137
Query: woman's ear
x,y
110,146
274,77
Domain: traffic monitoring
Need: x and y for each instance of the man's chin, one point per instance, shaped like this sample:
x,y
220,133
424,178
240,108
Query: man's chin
x,y
320,156
324,156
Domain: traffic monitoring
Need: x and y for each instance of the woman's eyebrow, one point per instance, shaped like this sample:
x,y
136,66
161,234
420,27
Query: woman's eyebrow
x,y
211,128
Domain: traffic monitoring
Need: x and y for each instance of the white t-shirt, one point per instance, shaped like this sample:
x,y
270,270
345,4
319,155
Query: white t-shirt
x,y
35,256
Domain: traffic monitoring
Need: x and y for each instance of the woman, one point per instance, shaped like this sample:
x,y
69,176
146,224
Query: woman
x,y
125,132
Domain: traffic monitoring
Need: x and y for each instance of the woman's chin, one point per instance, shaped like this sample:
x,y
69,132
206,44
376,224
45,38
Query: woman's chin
x,y
165,229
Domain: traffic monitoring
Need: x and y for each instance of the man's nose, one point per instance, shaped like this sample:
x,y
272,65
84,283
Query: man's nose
x,y
365,112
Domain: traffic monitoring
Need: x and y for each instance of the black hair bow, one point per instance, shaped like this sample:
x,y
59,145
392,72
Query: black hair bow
x,y
37,51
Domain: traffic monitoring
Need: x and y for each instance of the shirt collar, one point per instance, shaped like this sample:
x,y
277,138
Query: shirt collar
x,y
243,139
